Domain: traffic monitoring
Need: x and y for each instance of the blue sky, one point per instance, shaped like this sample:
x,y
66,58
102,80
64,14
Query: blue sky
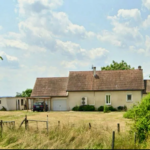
x,y
49,38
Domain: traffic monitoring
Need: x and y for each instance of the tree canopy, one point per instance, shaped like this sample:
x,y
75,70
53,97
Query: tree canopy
x,y
26,93
117,66
1,58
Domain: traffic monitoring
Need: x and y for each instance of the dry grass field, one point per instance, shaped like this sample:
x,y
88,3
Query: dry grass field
x,y
73,131
109,120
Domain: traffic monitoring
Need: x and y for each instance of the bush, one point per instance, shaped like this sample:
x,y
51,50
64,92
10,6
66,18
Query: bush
x,y
3,109
87,108
112,108
106,109
120,108
76,108
101,108
141,115
125,108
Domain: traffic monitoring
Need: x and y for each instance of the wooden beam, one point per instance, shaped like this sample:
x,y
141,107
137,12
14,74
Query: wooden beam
x,y
27,104
44,104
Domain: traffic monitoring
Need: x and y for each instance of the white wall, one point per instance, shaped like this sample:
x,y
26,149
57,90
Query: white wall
x,y
10,103
118,98
3,103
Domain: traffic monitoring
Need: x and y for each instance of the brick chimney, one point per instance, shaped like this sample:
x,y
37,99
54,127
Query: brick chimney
x,y
94,71
139,67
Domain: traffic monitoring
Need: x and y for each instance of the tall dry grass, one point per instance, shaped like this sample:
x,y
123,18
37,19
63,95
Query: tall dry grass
x,y
65,136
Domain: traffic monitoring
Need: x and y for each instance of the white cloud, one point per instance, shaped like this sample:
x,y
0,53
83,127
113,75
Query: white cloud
x,y
74,64
146,23
125,30
42,31
9,57
146,3
97,53
12,43
74,50
107,36
9,61
130,13
145,49
27,7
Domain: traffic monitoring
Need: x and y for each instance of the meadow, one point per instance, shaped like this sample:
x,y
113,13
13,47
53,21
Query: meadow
x,y
72,133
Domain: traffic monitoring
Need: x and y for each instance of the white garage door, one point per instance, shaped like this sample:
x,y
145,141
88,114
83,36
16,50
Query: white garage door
x,y
59,104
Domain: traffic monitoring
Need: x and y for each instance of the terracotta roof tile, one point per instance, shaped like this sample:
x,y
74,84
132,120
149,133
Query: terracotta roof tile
x,y
50,87
106,80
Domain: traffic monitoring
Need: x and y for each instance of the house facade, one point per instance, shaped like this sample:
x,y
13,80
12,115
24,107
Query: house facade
x,y
12,103
98,88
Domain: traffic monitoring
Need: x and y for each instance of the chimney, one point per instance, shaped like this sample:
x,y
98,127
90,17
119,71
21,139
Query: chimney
x,y
139,67
94,71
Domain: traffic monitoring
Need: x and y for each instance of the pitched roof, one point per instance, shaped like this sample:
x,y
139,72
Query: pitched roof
x,y
147,86
50,87
106,80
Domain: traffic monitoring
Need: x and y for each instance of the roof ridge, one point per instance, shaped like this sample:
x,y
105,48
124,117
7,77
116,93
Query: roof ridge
x,y
107,70
49,77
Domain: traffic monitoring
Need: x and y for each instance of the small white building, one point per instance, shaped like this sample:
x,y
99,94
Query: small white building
x,y
12,103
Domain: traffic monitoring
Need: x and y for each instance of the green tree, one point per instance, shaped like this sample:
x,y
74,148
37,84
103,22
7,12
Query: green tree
x,y
117,66
1,58
140,114
26,93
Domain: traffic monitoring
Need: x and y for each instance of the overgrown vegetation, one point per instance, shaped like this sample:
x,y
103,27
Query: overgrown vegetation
x,y
101,108
72,133
106,109
65,136
140,113
76,108
3,109
111,108
84,108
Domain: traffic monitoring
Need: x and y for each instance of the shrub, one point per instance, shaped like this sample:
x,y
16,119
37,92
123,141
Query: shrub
x,y
101,108
3,109
125,108
141,115
87,108
76,108
112,108
120,108
106,109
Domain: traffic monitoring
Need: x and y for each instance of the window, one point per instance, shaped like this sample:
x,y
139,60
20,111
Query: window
x,y
108,102
129,97
21,102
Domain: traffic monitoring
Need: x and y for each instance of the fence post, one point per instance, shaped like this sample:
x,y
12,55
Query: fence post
x,y
1,127
118,127
90,126
113,139
37,124
47,124
26,122
134,137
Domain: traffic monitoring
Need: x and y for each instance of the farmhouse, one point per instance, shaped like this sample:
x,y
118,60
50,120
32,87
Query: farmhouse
x,y
114,87
12,103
